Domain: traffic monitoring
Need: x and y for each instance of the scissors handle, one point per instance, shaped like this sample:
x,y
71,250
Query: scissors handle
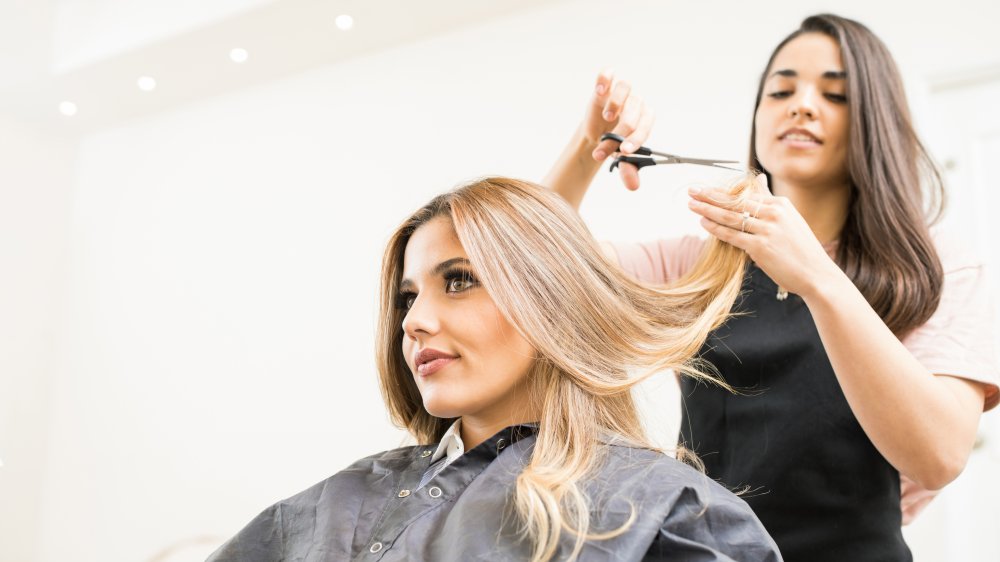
x,y
620,139
637,161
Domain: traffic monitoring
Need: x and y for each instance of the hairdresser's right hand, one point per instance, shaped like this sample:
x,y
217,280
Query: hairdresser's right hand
x,y
615,108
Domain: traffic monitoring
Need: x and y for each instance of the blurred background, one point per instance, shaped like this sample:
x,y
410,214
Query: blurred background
x,y
195,194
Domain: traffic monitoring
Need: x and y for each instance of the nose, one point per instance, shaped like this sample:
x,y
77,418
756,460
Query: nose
x,y
421,319
804,103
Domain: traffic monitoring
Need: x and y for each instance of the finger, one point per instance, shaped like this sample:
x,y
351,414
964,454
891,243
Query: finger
x,y
612,111
628,121
604,149
629,175
602,86
717,214
642,130
715,197
616,101
725,199
598,101
762,184
734,237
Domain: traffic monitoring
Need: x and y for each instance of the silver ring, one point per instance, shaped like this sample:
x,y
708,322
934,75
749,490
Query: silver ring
x,y
746,219
757,210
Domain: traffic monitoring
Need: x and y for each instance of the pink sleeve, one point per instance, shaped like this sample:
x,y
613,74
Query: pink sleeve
x,y
660,261
958,339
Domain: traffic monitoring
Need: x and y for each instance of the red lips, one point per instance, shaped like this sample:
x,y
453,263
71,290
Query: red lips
x,y
429,361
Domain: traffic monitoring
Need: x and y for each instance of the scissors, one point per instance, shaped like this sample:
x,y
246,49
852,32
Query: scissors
x,y
647,158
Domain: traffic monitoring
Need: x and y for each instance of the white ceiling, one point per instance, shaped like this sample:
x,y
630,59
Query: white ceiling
x,y
91,52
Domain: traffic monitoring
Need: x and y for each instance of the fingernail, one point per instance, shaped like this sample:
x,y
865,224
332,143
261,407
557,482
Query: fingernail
x,y
694,190
627,146
609,116
600,155
600,89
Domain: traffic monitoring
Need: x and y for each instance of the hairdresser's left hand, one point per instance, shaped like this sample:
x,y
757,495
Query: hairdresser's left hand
x,y
776,238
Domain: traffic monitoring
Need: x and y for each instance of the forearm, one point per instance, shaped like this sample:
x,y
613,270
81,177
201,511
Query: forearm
x,y
574,171
924,425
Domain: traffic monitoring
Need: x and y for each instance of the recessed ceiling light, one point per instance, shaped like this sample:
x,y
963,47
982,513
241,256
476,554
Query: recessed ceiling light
x,y
146,83
67,108
345,22
238,55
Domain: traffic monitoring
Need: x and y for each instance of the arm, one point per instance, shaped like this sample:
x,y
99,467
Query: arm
x,y
612,108
924,425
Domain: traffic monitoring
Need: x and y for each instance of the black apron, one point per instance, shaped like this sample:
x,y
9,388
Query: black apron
x,y
789,439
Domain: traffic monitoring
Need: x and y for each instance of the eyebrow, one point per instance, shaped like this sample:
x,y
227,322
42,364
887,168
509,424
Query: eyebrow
x,y
829,74
438,270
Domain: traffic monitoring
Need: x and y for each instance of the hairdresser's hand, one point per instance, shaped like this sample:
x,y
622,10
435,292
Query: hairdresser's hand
x,y
772,233
615,108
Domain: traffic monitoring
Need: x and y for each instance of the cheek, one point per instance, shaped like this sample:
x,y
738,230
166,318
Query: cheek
x,y
764,134
499,348
843,130
515,353
408,346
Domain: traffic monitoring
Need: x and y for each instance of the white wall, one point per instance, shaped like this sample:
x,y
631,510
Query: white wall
x,y
35,172
215,347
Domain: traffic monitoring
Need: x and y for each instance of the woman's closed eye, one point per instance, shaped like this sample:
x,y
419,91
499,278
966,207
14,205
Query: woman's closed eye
x,y
832,96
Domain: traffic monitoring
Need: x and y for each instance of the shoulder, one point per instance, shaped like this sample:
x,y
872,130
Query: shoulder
x,y
958,339
661,475
277,531
691,515
659,261
359,472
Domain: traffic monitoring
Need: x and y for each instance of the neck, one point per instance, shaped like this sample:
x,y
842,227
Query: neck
x,y
824,207
479,427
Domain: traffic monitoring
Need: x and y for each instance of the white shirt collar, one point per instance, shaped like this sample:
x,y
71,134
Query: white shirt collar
x,y
451,443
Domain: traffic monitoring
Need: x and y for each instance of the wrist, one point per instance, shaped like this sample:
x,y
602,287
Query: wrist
x,y
825,286
583,149
583,141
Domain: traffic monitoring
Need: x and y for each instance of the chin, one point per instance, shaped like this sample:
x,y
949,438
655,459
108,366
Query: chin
x,y
445,407
796,172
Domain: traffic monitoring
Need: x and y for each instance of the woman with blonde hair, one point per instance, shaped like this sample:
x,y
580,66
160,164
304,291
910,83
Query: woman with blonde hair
x,y
507,346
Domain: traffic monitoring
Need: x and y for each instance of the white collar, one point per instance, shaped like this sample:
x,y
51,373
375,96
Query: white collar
x,y
451,443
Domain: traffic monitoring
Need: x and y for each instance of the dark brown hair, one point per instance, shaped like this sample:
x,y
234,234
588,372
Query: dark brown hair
x,y
885,246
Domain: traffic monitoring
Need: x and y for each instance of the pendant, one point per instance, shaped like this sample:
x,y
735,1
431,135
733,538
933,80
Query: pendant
x,y
782,293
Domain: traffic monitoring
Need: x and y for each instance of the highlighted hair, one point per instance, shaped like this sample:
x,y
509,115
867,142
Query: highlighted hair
x,y
597,333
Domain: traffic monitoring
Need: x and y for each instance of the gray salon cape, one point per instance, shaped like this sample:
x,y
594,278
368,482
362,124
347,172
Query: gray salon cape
x,y
374,510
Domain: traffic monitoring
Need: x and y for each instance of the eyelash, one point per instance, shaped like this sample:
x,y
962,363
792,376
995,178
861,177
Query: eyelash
x,y
836,98
404,300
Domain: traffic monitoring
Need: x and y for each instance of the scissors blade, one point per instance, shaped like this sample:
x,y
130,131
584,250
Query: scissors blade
x,y
703,161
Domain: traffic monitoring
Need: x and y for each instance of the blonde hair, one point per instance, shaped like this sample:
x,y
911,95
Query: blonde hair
x,y
596,332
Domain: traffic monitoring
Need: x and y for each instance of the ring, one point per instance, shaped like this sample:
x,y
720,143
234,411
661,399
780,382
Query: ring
x,y
757,210
746,219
